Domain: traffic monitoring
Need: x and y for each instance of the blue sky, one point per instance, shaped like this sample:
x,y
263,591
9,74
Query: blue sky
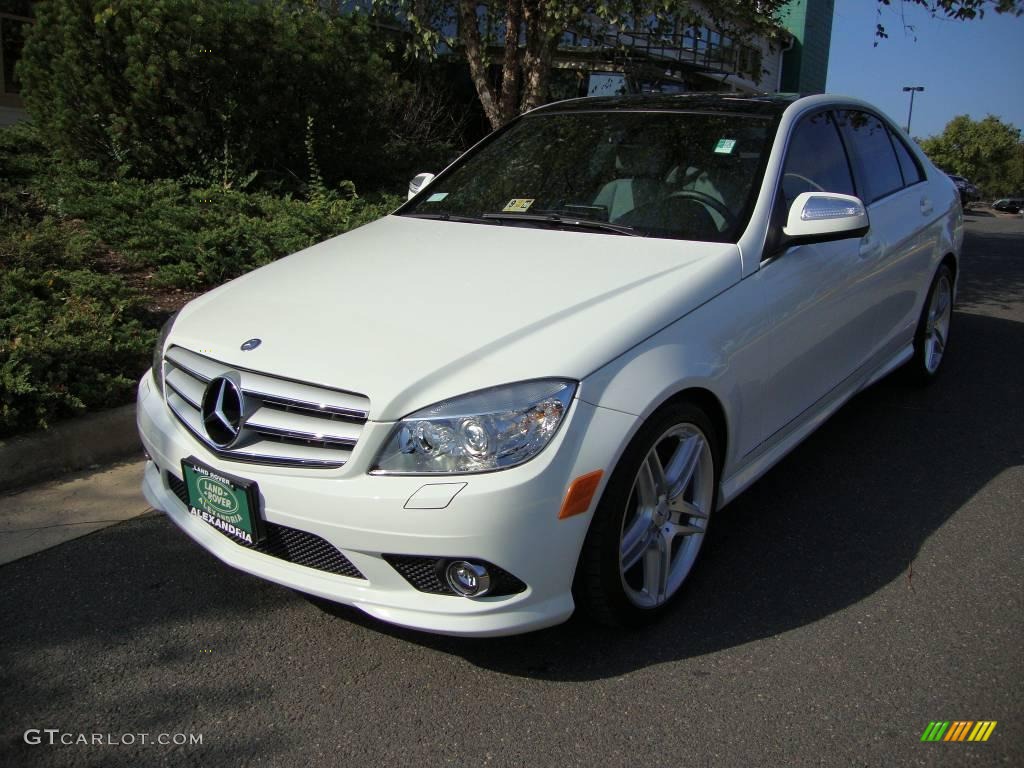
x,y
974,67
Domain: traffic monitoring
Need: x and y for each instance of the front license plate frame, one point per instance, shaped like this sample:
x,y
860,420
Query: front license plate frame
x,y
228,503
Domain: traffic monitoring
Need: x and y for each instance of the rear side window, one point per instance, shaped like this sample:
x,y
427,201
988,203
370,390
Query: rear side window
x,y
816,161
909,166
875,159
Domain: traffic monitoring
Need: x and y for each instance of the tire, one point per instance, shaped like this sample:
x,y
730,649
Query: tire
x,y
652,519
931,340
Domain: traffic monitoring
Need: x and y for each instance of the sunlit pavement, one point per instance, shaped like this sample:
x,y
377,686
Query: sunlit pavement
x,y
870,584
48,514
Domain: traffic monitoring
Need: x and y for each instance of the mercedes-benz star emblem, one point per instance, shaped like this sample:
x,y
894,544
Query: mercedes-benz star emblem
x,y
251,344
223,411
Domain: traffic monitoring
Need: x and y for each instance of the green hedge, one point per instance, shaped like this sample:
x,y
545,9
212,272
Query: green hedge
x,y
197,238
70,340
217,89
74,334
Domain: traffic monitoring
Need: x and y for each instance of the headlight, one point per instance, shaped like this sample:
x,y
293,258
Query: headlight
x,y
483,431
158,353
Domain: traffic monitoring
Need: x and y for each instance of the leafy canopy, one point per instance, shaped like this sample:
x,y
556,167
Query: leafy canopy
x,y
522,36
988,152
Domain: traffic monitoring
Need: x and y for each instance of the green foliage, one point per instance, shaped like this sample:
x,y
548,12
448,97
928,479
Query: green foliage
x,y
988,152
214,91
528,56
198,238
70,340
77,249
953,10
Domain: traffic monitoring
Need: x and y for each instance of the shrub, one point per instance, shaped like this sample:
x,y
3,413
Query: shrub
x,y
214,89
74,336
197,238
70,340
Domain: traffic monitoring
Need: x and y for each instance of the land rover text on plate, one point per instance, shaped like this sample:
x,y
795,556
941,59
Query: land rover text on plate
x,y
529,389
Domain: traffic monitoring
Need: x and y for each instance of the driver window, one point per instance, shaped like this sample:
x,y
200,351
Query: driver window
x,y
816,161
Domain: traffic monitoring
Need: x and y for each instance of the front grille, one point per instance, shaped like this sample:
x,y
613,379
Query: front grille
x,y
426,574
287,423
288,544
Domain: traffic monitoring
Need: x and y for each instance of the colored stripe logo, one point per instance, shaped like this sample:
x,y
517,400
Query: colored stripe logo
x,y
958,730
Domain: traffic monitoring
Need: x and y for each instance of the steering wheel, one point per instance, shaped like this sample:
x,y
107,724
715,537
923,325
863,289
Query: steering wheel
x,y
707,200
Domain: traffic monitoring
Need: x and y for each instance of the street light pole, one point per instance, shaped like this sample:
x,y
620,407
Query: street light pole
x,y
913,89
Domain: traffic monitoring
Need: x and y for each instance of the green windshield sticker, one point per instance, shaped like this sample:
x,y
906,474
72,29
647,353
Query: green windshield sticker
x,y
437,197
725,146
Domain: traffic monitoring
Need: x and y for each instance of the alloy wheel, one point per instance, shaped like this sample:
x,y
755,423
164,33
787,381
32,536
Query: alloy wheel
x,y
666,516
936,332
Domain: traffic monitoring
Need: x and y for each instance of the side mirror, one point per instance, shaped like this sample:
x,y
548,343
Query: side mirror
x,y
819,217
419,182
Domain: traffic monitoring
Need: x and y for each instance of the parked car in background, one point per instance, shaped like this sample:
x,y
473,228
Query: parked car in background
x,y
1009,204
968,192
531,388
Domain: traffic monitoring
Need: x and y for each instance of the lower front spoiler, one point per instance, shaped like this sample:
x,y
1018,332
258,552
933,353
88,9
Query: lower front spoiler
x,y
407,608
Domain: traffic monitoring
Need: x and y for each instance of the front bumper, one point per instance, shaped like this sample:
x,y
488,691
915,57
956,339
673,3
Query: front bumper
x,y
507,518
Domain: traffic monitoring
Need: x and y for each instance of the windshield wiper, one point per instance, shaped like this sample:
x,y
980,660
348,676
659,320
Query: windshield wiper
x,y
442,217
563,221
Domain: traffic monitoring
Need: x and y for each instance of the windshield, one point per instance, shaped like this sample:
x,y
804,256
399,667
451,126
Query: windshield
x,y
656,174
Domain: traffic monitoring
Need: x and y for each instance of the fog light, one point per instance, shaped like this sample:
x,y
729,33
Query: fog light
x,y
468,579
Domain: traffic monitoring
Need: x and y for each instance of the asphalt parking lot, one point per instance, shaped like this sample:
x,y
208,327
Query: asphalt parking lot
x,y
871,583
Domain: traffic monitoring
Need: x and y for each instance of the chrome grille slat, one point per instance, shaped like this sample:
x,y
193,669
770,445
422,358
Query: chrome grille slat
x,y
187,387
301,437
306,427
320,410
289,423
197,366
306,394
261,385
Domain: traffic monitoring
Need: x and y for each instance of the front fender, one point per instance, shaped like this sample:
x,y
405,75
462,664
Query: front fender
x,y
719,348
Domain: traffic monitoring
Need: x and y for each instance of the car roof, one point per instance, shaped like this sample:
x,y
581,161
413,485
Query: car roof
x,y
760,106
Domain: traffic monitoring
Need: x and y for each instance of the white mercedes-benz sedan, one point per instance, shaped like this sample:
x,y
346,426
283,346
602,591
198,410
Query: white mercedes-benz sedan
x,y
528,390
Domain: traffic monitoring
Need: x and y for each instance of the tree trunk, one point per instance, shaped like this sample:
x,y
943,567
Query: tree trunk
x,y
476,56
509,106
542,38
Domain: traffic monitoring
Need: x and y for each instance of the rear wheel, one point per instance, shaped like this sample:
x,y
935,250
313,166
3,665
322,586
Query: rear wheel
x,y
932,337
651,521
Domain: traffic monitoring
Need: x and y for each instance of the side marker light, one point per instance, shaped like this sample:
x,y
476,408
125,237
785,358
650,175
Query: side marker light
x,y
580,494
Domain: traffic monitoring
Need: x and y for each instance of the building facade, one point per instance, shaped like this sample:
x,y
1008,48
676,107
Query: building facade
x,y
805,63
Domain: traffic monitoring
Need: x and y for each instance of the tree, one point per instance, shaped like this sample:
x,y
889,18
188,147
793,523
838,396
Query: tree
x,y
988,152
524,35
955,10
527,34
165,88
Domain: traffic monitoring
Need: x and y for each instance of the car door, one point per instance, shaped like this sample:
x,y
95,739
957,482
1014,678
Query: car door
x,y
904,223
820,307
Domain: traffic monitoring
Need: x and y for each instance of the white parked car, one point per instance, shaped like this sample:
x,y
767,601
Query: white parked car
x,y
529,389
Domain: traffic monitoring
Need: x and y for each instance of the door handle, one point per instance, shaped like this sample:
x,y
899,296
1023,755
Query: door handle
x,y
926,206
870,248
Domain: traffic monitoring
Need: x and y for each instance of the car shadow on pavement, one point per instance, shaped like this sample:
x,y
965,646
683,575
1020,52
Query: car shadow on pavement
x,y
841,517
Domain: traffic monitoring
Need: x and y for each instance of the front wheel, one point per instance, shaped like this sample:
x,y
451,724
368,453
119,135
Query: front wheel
x,y
651,521
932,337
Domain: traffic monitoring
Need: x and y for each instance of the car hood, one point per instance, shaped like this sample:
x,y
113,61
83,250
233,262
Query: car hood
x,y
411,311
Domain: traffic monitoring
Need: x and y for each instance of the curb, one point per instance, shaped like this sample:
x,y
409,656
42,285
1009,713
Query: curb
x,y
96,438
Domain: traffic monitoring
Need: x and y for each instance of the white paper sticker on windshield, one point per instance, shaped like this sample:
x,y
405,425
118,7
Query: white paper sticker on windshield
x,y
437,197
725,146
519,204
